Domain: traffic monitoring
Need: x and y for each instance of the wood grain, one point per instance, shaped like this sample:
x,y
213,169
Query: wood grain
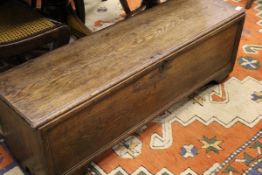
x,y
76,102
77,73
129,106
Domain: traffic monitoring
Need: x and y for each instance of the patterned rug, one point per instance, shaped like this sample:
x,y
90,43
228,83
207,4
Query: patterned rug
x,y
217,130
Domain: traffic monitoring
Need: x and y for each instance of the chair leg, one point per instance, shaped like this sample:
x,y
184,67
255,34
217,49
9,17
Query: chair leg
x,y
63,39
61,42
126,7
249,4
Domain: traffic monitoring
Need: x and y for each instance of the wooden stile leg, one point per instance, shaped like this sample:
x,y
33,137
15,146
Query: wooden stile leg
x,y
249,4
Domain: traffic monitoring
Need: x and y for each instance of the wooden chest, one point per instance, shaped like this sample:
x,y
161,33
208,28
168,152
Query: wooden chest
x,y
61,110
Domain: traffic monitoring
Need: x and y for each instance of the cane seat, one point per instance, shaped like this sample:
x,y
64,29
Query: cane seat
x,y
22,29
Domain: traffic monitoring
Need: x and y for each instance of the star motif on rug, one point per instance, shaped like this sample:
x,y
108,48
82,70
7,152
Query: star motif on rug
x,y
249,63
129,148
247,159
258,146
199,100
211,144
188,151
257,97
230,170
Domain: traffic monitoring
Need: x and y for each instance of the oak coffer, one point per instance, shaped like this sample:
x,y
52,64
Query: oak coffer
x,y
64,108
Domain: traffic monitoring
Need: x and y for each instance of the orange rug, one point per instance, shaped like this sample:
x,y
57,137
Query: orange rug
x,y
216,131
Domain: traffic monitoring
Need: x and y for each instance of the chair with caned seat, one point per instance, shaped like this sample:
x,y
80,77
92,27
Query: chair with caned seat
x,y
23,29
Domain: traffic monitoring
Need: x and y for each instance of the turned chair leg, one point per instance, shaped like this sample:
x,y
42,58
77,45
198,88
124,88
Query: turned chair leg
x,y
249,3
63,39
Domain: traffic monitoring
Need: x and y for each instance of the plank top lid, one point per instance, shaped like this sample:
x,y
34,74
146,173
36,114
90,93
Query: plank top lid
x,y
73,76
